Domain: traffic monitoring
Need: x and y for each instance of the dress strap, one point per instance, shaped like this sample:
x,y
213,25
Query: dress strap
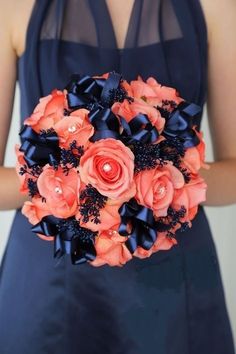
x,y
31,55
191,19
200,26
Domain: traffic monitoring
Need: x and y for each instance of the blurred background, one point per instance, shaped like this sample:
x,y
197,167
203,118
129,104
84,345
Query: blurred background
x,y
220,218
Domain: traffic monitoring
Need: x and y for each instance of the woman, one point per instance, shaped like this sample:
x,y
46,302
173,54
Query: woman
x,y
172,302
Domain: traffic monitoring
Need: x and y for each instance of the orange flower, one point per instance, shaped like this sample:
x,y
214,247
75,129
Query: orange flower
x,y
194,157
162,93
109,217
60,191
162,242
108,165
35,211
48,111
129,110
156,187
111,250
74,127
190,196
20,162
141,89
151,91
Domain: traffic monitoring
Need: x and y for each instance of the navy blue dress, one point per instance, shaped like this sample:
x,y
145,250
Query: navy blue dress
x,y
170,303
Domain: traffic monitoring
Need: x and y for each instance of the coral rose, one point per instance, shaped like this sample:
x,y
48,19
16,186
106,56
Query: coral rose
x,y
74,127
151,91
190,196
60,191
141,89
35,211
48,111
109,217
129,110
156,187
162,93
162,243
194,157
111,250
23,179
108,165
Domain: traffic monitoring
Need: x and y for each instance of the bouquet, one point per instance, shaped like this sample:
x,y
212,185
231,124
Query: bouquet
x,y
112,168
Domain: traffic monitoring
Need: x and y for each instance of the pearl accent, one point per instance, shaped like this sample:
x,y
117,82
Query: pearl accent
x,y
107,167
72,129
161,190
112,232
58,190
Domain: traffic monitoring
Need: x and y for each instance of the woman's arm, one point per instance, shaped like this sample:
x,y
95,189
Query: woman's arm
x,y
221,102
10,197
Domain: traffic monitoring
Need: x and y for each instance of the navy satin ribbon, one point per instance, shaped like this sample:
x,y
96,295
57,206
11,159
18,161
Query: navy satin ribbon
x,y
84,92
39,149
105,122
143,226
180,124
139,129
107,125
67,240
111,84
94,94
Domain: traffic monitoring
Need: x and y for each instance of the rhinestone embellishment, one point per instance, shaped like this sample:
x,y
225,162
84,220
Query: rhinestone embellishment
x,y
72,129
106,167
58,190
161,190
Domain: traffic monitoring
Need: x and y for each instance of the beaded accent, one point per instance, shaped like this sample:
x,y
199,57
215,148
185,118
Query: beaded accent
x,y
172,219
71,156
91,201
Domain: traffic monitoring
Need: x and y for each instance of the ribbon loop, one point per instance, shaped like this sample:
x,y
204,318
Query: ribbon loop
x,y
69,238
105,122
180,124
112,83
82,92
139,129
142,223
39,149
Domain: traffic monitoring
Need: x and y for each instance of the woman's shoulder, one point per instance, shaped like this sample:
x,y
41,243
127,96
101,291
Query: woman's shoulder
x,y
14,16
215,12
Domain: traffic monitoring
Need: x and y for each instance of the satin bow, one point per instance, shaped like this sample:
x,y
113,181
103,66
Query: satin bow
x,y
86,91
39,149
95,95
139,129
180,124
141,220
68,239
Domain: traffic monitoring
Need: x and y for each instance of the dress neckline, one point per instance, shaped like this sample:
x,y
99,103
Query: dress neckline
x,y
111,25
105,28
